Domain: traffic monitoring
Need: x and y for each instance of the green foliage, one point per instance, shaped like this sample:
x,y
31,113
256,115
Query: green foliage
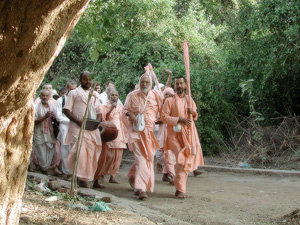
x,y
236,47
73,59
265,47
247,87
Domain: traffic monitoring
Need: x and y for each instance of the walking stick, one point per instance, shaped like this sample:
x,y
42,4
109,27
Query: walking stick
x,y
79,142
188,82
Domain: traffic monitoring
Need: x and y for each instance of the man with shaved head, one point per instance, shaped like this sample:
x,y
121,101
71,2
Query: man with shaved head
x,y
43,138
74,109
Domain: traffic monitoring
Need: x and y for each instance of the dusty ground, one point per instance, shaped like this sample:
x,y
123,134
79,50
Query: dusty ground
x,y
220,198
285,162
214,198
36,210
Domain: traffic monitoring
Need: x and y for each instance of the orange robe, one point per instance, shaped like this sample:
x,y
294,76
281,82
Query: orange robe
x,y
143,144
114,149
91,142
168,155
180,142
102,157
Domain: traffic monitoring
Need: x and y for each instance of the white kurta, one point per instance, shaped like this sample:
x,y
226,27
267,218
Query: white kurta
x,y
63,130
44,143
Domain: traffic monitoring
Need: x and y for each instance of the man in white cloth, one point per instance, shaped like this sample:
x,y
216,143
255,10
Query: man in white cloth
x,y
63,128
43,138
103,97
48,87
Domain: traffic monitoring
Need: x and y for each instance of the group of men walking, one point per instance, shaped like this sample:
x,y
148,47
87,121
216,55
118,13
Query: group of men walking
x,y
152,120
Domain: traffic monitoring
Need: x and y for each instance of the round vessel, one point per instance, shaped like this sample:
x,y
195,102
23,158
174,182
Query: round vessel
x,y
108,131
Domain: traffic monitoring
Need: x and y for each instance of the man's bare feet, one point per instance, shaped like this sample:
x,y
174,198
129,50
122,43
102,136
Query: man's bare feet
x,y
180,194
131,181
69,177
136,192
31,169
102,178
142,195
97,185
47,172
165,177
197,172
57,171
159,168
171,181
112,180
82,183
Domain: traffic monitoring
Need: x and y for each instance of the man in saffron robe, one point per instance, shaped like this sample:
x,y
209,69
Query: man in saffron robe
x,y
175,113
91,143
165,157
143,143
114,149
168,155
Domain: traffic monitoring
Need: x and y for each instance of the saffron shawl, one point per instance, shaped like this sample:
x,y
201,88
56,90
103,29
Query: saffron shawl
x,y
154,103
185,156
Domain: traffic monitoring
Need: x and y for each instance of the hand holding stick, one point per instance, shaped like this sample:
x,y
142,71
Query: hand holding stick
x,y
79,142
188,81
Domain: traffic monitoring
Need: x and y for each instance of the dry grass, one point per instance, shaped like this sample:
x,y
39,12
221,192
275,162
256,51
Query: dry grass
x,y
265,147
292,218
35,210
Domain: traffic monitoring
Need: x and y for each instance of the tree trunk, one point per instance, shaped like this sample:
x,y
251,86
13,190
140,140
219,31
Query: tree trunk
x,y
32,33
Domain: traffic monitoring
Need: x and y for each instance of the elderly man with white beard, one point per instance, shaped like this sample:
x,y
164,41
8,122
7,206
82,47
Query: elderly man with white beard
x,y
43,137
141,140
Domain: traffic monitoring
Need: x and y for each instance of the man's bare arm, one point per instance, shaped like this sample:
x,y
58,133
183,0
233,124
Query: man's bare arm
x,y
114,105
71,116
169,81
131,117
184,121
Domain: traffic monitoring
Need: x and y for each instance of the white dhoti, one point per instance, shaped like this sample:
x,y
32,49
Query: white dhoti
x,y
159,157
45,153
43,137
159,153
64,148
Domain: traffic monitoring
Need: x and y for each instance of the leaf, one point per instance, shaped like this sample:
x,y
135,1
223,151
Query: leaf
x,y
94,54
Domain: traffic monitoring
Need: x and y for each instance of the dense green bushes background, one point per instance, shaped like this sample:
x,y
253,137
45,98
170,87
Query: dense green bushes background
x,y
230,42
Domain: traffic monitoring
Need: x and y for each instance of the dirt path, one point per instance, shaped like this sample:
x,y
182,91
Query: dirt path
x,y
216,198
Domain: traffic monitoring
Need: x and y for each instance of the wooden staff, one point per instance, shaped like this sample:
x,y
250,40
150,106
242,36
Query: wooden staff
x,y
188,87
79,142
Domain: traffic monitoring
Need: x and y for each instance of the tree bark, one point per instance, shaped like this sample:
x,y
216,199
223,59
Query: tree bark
x,y
32,33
